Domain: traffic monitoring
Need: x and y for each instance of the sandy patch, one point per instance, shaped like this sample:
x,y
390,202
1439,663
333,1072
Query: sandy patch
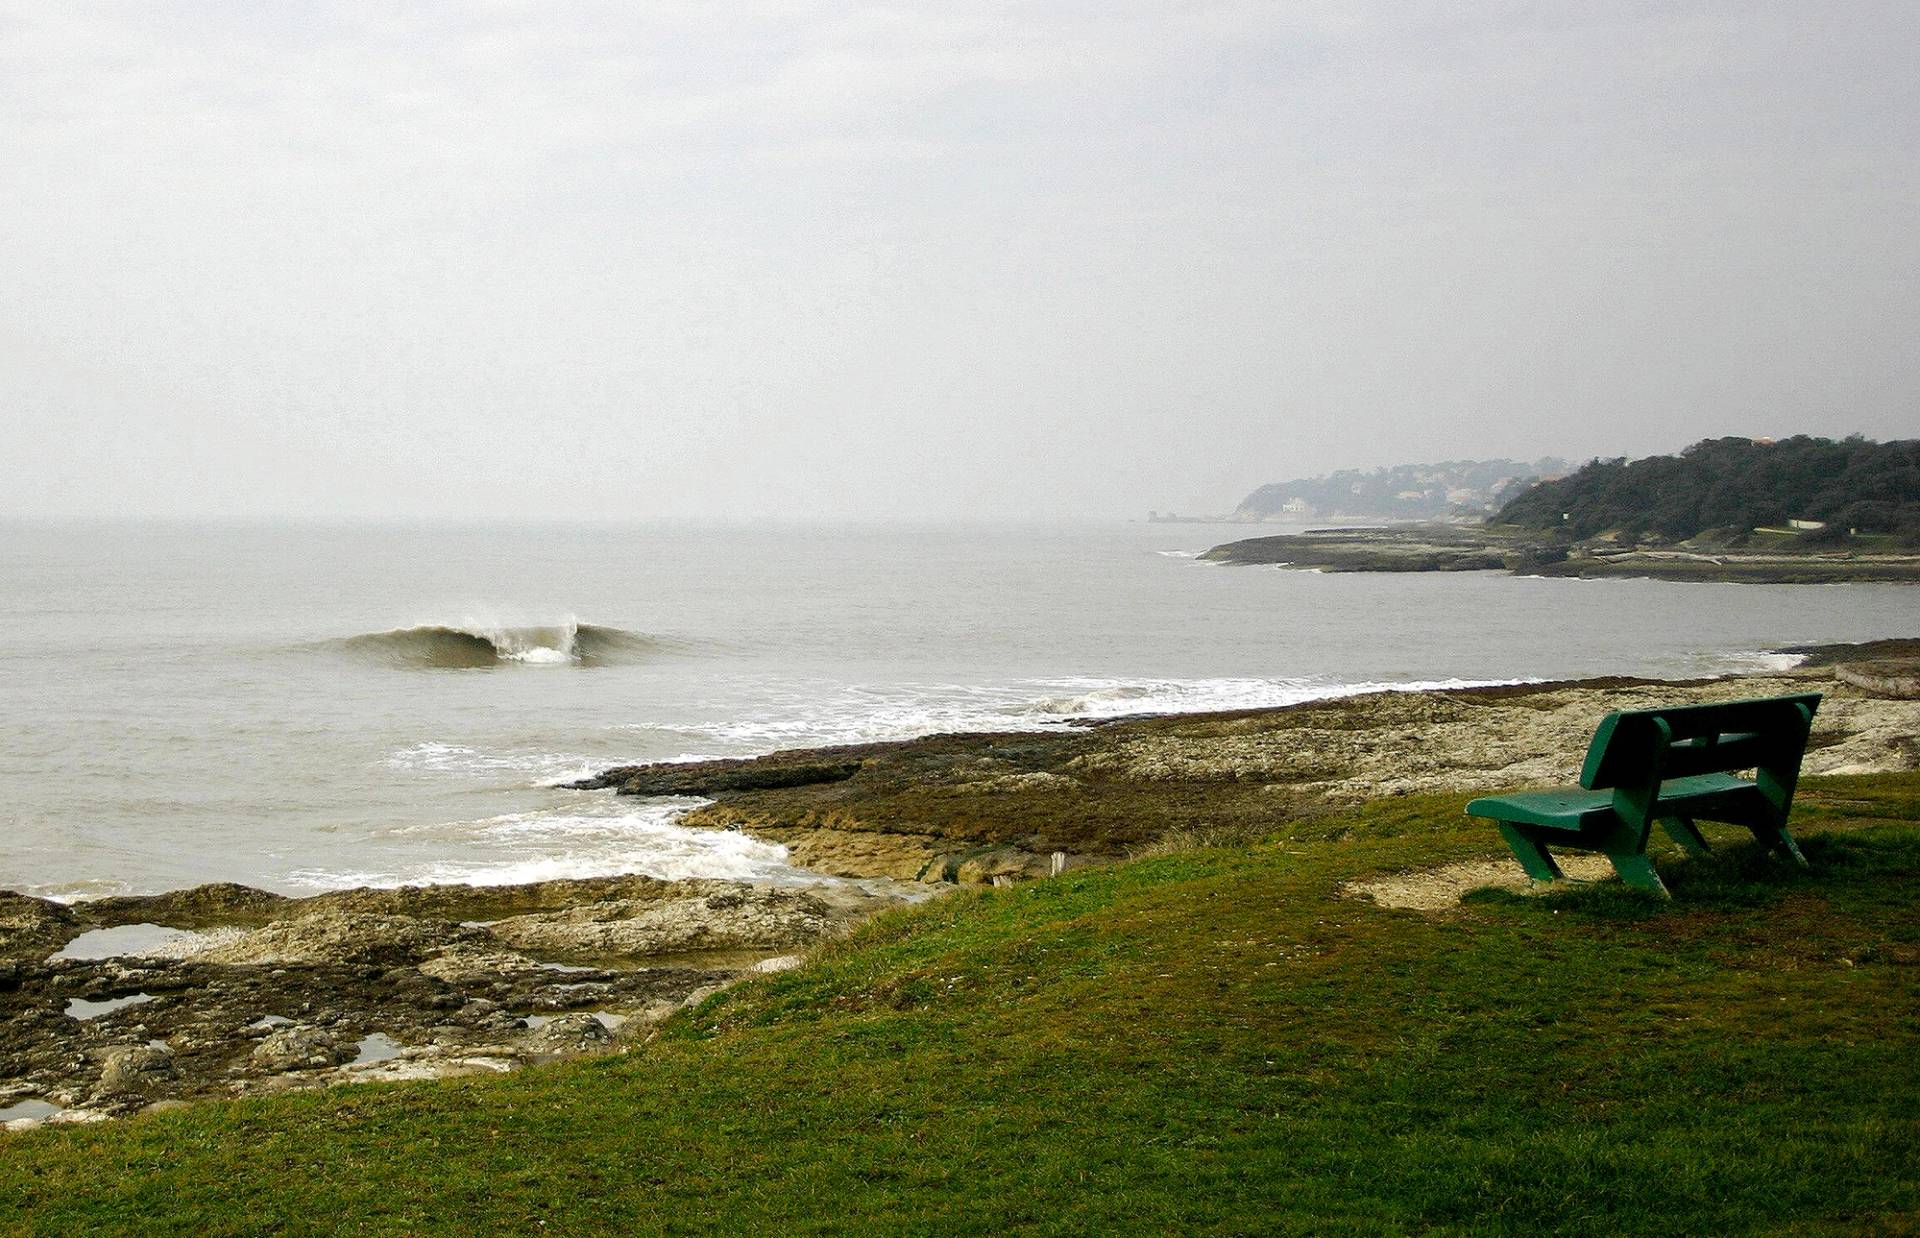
x,y
1436,889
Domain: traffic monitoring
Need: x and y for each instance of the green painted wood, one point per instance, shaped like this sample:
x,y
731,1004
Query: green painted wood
x,y
1684,832
1533,857
1674,765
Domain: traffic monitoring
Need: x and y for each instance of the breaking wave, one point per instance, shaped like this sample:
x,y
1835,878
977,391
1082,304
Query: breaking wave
x,y
474,644
603,839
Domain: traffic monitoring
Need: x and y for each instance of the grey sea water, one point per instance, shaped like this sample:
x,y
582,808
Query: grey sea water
x,y
313,707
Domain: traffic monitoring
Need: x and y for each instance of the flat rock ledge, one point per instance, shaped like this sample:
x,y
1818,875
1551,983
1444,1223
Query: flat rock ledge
x,y
224,991
1004,807
1488,547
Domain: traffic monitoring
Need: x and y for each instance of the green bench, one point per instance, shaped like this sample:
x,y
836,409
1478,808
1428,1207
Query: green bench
x,y
1673,766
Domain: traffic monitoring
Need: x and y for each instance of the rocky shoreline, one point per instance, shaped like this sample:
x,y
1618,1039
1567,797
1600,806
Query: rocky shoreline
x,y
1486,548
123,1004
117,1005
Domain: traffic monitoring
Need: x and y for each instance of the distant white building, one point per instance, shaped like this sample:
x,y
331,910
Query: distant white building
x,y
1296,506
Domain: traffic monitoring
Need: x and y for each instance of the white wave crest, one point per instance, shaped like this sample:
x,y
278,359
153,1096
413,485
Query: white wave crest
x,y
475,642
523,847
534,644
1761,660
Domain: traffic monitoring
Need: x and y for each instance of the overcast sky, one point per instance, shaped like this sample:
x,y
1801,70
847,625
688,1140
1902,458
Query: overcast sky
x,y
762,259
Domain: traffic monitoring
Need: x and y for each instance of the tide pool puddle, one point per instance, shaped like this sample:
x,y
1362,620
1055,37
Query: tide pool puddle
x,y
82,1009
612,1022
379,1047
131,941
29,1109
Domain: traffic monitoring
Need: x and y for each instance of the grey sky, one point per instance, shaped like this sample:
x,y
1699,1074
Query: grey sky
x,y
798,259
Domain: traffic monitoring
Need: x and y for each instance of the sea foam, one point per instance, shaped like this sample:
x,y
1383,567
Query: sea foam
x,y
514,848
907,711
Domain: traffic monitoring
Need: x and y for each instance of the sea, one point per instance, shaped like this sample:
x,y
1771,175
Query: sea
x,y
305,708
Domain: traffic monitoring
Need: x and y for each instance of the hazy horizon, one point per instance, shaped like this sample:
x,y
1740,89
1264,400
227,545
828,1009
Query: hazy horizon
x,y
799,261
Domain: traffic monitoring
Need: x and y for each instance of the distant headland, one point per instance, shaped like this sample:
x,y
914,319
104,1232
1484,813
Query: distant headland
x,y
1793,511
1451,490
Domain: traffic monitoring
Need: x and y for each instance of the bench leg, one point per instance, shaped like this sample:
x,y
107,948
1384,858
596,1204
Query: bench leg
x,y
1637,871
1682,830
1532,856
1776,839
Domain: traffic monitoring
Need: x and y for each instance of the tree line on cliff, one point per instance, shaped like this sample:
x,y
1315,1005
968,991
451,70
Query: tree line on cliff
x,y
1851,484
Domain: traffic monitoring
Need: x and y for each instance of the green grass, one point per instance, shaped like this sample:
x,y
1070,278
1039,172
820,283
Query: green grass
x,y
1204,1042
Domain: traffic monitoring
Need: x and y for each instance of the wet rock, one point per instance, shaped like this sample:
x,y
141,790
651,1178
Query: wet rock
x,y
1005,862
1406,548
570,1033
247,1027
327,935
644,1020
477,964
798,768
138,1070
300,1048
741,918
32,928
1488,547
204,906
1894,679
897,856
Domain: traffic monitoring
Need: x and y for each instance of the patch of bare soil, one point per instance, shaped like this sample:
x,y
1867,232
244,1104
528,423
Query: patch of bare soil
x,y
1437,889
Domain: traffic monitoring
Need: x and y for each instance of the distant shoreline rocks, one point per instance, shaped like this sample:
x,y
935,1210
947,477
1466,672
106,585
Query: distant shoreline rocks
x,y
1482,548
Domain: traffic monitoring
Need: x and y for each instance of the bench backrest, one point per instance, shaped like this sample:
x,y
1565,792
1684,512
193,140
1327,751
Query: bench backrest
x,y
1634,748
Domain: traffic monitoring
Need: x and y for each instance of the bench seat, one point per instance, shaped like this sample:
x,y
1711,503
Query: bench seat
x,y
1576,808
1669,767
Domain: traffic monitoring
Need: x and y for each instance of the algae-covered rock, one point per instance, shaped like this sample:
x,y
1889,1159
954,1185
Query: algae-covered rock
x,y
781,769
1002,862
203,906
1894,679
743,918
570,1033
138,1070
301,1048
329,935
32,928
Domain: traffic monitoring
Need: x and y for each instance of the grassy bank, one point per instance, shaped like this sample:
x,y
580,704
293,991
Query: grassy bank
x,y
1205,1041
